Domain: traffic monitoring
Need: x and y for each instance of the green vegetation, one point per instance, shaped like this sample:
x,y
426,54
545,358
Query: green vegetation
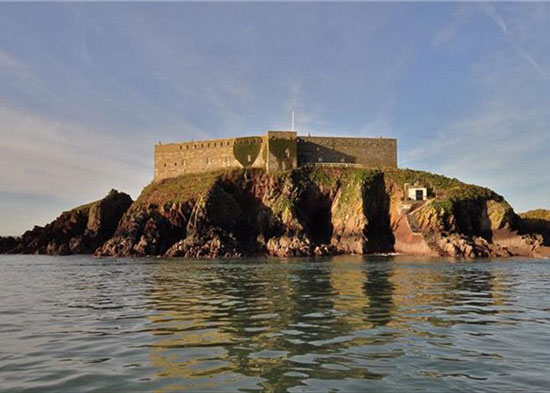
x,y
282,204
355,182
322,176
284,151
538,214
453,198
444,187
245,148
536,221
405,175
449,191
351,183
179,189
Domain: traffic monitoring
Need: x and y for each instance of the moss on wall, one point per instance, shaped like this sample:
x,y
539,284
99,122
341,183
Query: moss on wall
x,y
279,147
243,148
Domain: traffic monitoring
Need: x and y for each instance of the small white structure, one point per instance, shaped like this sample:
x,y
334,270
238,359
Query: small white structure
x,y
416,192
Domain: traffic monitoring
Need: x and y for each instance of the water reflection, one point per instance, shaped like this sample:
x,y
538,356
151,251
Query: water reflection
x,y
346,324
277,327
379,291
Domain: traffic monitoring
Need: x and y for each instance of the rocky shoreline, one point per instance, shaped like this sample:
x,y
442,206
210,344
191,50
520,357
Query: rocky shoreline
x,y
311,211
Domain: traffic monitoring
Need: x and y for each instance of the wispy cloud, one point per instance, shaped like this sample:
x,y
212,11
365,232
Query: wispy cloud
x,y
86,91
497,18
15,70
450,30
11,66
64,162
495,149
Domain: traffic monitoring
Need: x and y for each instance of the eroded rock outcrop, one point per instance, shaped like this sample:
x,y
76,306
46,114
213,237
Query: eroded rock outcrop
x,y
536,221
310,211
77,231
461,221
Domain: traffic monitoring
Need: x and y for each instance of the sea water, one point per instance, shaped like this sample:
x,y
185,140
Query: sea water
x,y
349,324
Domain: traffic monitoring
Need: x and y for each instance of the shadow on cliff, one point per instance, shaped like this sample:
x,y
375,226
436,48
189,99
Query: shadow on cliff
x,y
256,222
313,209
379,237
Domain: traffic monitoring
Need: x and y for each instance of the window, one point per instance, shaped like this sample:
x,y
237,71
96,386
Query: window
x,y
208,144
165,165
187,147
175,164
320,159
194,146
214,144
287,153
249,158
180,147
208,160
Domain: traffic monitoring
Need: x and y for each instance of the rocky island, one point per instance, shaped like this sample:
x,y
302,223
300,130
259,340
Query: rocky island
x,y
306,211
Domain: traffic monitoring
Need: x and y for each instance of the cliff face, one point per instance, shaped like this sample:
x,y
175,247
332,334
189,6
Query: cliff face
x,y
316,211
77,231
299,213
536,221
303,212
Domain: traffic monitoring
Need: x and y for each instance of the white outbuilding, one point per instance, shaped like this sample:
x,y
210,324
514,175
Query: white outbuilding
x,y
416,192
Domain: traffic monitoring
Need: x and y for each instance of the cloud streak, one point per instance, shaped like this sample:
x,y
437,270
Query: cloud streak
x,y
85,91
63,163
497,18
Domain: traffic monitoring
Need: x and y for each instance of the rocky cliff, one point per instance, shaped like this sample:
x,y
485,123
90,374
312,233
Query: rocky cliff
x,y
78,231
304,212
537,221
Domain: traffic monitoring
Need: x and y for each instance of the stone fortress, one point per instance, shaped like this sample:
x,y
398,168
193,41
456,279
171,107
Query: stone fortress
x,y
274,151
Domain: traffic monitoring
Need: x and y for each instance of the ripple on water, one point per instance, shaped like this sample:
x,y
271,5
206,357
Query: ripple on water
x,y
345,324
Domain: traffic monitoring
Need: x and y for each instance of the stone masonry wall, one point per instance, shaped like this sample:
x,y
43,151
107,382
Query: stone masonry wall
x,y
374,152
277,150
175,159
282,150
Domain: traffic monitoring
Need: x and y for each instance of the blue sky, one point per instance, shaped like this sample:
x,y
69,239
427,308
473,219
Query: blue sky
x,y
87,89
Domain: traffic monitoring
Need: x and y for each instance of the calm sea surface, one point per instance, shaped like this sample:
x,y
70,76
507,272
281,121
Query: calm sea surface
x,y
79,324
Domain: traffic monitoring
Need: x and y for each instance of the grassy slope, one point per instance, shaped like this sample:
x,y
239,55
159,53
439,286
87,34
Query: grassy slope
x,y
448,190
178,189
538,214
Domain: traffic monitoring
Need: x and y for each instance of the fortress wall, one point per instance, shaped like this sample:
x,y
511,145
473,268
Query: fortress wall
x,y
277,150
175,159
282,150
374,152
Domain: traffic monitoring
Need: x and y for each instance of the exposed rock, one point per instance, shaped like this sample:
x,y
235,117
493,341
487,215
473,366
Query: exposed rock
x,y
310,211
210,227
147,230
77,231
542,252
7,243
536,221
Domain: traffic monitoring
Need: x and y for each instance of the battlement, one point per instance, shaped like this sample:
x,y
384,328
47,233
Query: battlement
x,y
274,151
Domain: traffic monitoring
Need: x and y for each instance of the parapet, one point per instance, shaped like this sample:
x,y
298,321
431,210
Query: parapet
x,y
274,151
